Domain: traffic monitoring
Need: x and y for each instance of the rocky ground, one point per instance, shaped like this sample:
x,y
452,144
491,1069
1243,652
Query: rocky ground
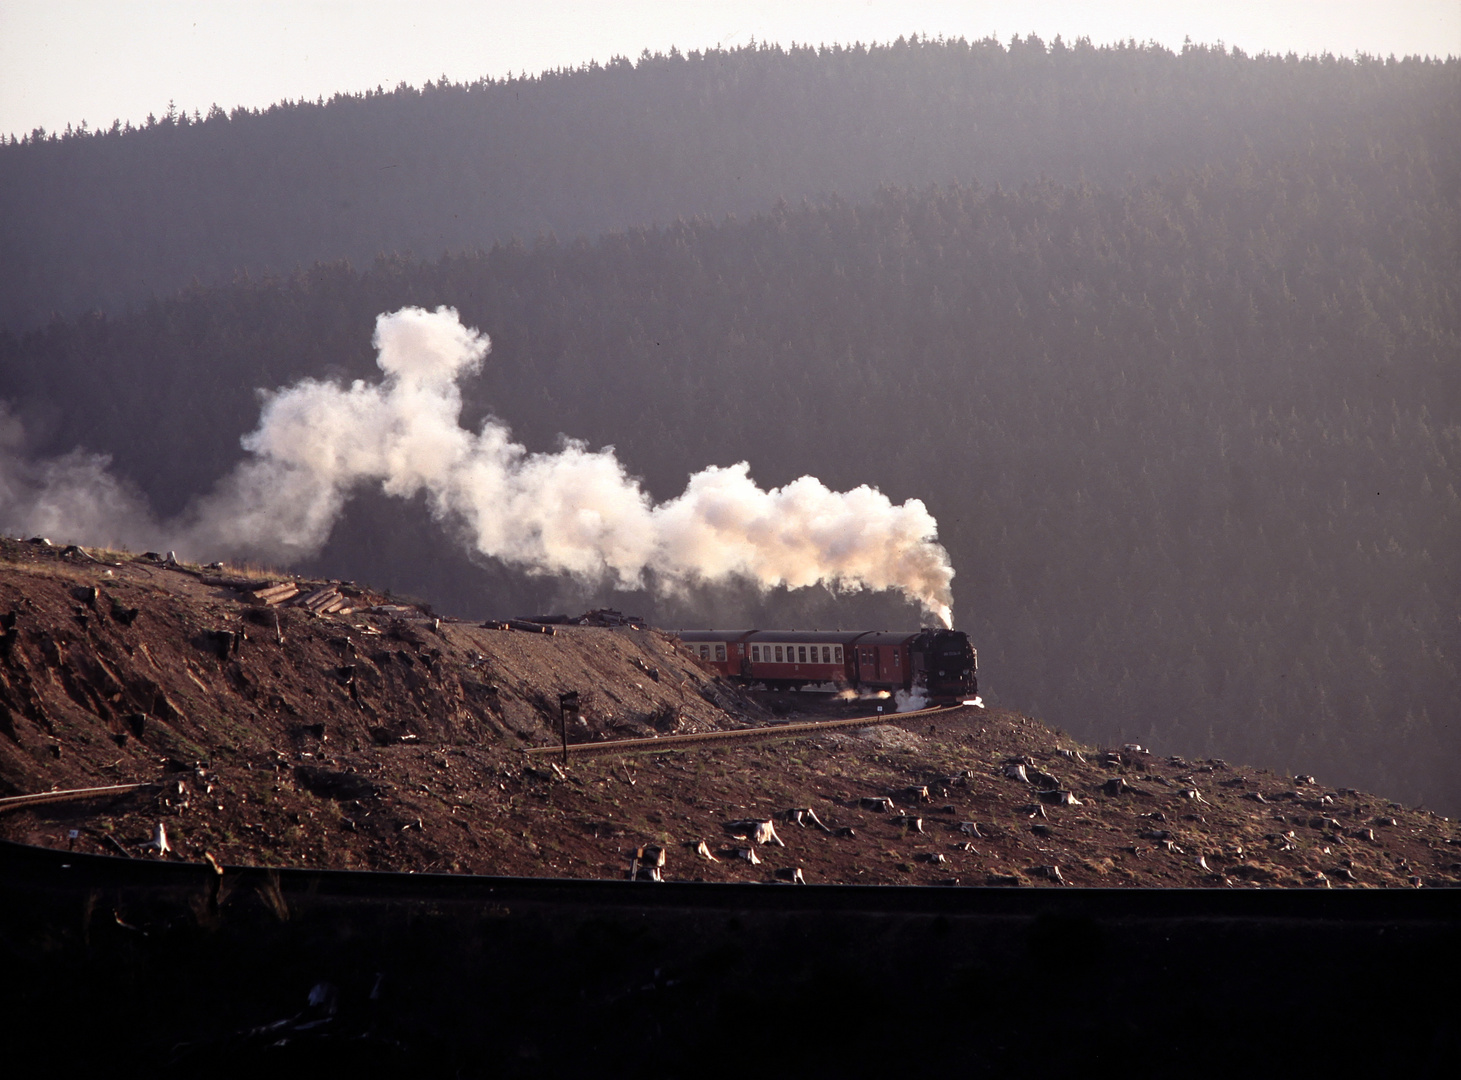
x,y
375,736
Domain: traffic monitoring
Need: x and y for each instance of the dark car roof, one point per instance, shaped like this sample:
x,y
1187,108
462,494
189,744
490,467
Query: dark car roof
x,y
840,637
887,637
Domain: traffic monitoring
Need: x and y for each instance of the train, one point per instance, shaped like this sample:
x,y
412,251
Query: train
x,y
940,664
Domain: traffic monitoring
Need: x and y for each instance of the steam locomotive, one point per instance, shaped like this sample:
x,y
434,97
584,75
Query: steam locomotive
x,y
939,663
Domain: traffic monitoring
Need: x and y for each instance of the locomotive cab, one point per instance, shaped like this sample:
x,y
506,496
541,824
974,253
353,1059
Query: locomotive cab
x,y
945,664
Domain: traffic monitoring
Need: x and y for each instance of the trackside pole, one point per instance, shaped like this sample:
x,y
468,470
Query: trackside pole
x,y
567,703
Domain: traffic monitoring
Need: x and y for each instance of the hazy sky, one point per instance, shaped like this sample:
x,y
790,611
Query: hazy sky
x,y
64,61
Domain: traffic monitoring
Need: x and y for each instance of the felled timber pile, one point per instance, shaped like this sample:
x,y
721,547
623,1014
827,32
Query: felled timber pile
x,y
324,600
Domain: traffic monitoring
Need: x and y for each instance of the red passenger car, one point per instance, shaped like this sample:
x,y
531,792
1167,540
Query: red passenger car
x,y
941,663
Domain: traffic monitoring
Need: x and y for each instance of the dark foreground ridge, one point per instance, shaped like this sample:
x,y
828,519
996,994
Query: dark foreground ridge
x,y
176,966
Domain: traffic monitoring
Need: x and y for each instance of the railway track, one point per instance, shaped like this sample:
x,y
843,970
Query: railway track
x,y
16,802
756,734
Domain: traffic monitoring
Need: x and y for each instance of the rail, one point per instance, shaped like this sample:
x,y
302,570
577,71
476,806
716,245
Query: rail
x,y
755,734
16,802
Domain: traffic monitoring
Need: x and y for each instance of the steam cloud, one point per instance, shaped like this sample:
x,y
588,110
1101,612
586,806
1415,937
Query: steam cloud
x,y
575,511
72,496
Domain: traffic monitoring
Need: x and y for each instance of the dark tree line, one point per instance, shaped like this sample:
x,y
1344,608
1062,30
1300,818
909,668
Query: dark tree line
x,y
109,218
1192,439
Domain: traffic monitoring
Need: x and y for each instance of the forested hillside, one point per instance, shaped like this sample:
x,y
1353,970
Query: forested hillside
x,y
1192,440
102,219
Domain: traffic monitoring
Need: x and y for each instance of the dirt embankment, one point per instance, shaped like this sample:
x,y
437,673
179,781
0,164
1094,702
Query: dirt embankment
x,y
343,729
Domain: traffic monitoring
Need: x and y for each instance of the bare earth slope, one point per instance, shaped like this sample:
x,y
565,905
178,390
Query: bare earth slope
x,y
378,737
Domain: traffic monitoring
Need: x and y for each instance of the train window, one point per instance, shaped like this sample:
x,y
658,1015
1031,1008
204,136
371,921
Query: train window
x,y
801,653
897,659
720,653
837,654
755,652
705,652
826,654
778,654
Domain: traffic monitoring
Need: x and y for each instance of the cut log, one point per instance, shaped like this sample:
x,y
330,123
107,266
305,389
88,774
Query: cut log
x,y
804,816
766,834
650,855
1059,797
159,841
760,832
318,599
276,594
228,581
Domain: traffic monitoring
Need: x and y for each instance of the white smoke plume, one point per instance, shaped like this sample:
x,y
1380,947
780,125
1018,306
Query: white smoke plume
x,y
575,511
911,701
72,497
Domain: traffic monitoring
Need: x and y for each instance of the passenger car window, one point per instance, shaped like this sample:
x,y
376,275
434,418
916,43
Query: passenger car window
x,y
755,652
778,654
801,653
838,653
720,652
